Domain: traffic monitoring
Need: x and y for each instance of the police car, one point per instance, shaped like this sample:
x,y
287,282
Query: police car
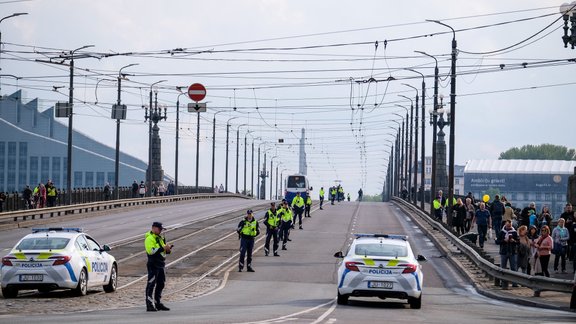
x,y
380,265
58,258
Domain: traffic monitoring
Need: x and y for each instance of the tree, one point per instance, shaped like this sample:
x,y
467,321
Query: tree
x,y
539,152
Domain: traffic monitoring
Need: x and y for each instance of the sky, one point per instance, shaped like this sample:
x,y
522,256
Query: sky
x,y
272,67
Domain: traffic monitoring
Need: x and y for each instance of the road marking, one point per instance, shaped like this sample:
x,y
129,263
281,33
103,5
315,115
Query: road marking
x,y
326,313
292,316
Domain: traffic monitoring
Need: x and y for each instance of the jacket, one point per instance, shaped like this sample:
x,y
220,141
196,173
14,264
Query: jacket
x,y
248,228
508,240
154,245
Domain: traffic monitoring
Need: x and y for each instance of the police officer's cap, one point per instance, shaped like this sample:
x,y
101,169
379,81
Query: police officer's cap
x,y
249,211
158,224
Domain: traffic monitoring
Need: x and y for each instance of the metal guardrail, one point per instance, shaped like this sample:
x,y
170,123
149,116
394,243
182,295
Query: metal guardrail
x,y
41,213
536,283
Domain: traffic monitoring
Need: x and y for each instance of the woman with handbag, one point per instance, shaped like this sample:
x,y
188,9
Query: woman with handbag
x,y
560,237
544,246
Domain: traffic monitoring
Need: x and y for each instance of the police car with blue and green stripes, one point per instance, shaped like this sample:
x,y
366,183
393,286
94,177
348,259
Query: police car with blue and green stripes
x,y
58,258
380,265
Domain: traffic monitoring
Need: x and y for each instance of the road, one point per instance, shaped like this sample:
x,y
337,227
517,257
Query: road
x,y
299,286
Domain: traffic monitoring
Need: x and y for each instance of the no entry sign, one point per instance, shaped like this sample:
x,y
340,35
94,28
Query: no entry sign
x,y
196,92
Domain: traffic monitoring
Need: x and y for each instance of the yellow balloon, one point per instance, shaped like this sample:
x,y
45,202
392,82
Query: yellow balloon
x,y
486,198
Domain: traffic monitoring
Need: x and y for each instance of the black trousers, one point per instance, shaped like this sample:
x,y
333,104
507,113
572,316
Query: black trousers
x,y
155,285
285,231
271,234
321,201
246,247
307,210
298,214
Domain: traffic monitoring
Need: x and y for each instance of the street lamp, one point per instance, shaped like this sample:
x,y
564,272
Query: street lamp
x,y
1,20
433,121
245,160
238,152
154,116
227,141
177,137
407,152
119,112
566,10
271,170
415,130
214,144
453,123
438,114
70,119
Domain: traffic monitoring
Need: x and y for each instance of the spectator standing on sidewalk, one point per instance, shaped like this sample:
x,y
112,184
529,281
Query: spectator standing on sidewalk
x,y
135,189
27,197
508,240
461,212
560,238
568,215
533,259
483,221
523,254
497,211
470,212
544,246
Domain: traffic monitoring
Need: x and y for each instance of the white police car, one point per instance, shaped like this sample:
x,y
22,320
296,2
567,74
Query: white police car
x,y
380,265
58,258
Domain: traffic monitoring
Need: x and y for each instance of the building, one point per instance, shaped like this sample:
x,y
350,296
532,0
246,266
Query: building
x,y
33,149
544,182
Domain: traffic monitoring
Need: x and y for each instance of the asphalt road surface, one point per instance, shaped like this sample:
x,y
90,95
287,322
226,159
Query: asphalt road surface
x,y
300,285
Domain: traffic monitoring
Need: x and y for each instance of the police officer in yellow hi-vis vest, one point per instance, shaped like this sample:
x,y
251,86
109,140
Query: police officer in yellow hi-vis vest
x,y
272,222
298,208
156,249
321,197
308,206
248,230
286,219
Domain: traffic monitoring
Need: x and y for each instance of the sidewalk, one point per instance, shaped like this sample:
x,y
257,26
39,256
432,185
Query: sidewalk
x,y
526,296
486,286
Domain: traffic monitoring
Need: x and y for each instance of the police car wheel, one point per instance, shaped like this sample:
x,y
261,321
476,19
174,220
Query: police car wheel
x,y
342,299
9,292
415,303
111,286
82,287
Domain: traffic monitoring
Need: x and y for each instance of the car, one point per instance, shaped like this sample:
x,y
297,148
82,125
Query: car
x,y
58,258
380,265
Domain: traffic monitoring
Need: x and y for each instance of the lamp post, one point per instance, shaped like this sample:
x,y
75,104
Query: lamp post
x,y
154,116
271,170
261,174
119,115
70,119
282,182
214,145
438,113
245,159
1,20
227,141
415,191
433,122
453,122
566,10
177,138
407,149
238,153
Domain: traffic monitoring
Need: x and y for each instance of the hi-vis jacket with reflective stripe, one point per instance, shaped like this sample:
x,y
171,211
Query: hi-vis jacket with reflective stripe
x,y
248,228
286,214
272,219
154,245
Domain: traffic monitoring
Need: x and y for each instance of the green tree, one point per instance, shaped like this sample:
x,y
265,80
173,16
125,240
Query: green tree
x,y
539,152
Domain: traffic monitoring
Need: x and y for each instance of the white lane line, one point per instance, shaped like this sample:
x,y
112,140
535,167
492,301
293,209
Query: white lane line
x,y
291,316
408,219
326,313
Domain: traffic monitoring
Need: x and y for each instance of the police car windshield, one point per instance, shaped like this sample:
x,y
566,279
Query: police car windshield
x,y
43,243
383,250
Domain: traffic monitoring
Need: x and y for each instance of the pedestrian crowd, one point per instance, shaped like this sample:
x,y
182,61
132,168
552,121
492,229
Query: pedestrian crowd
x,y
527,238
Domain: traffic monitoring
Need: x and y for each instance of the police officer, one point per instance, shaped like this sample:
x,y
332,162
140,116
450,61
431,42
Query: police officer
x,y
307,206
248,230
286,219
272,222
333,193
298,207
321,197
156,249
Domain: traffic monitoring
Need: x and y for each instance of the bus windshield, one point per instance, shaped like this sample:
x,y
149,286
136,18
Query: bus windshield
x,y
296,182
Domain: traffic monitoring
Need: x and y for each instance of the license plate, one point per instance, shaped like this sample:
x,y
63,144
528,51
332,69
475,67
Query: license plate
x,y
31,277
380,284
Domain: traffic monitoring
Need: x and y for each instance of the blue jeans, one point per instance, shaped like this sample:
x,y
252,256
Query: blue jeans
x,y
482,231
504,259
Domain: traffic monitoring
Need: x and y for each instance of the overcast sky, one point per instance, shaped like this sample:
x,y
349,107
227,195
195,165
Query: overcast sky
x,y
287,65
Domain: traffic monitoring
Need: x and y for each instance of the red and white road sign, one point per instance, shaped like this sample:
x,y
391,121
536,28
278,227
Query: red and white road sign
x,y
197,92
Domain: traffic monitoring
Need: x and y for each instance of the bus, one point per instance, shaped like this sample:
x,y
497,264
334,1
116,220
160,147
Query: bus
x,y
296,183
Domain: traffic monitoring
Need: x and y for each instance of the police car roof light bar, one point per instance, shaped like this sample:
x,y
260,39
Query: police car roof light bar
x,y
57,229
390,236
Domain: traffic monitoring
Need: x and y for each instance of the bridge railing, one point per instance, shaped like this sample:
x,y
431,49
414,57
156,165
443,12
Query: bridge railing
x,y
15,200
536,283
42,213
